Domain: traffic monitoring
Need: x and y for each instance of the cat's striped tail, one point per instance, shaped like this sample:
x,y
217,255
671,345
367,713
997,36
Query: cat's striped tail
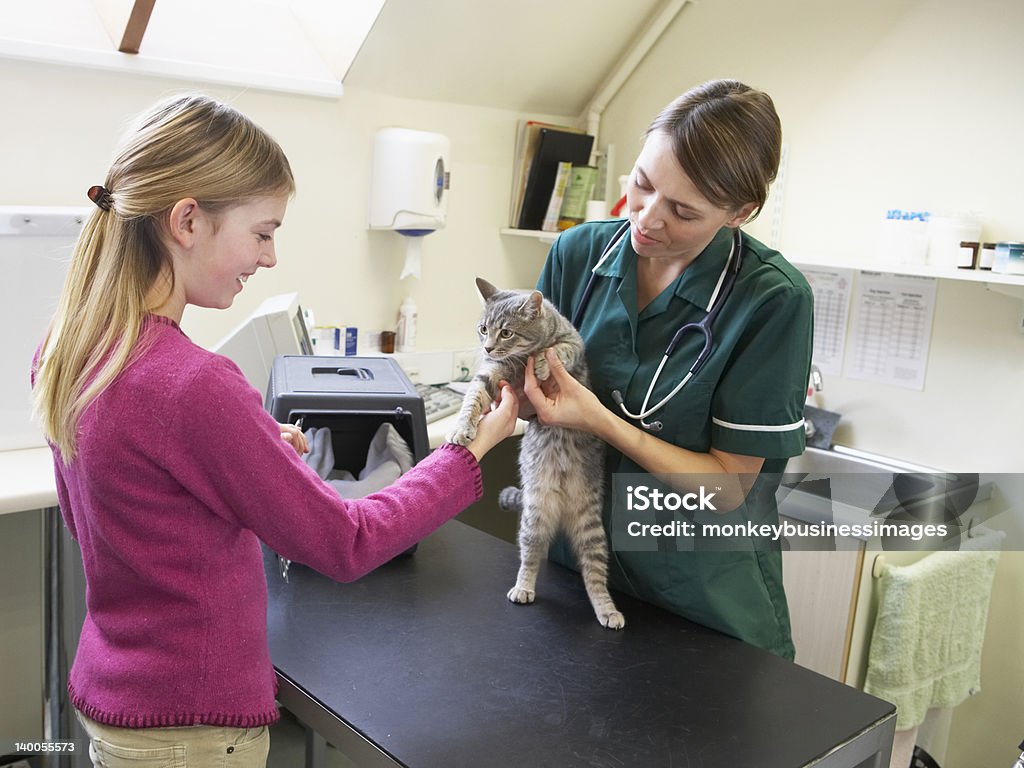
x,y
511,499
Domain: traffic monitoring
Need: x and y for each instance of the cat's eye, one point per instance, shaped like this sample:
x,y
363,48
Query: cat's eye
x,y
506,333
482,330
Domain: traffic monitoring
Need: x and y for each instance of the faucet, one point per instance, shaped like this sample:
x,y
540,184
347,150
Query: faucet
x,y
816,383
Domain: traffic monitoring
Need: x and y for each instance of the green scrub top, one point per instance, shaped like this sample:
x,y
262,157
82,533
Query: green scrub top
x,y
747,399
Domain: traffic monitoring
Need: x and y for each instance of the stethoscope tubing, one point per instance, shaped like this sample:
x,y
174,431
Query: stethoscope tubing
x,y
589,289
723,288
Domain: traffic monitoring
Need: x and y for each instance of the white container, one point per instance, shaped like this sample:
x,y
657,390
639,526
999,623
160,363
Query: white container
x,y
326,340
597,210
945,233
904,242
410,180
405,340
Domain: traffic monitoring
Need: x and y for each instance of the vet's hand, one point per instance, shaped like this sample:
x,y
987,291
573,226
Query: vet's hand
x,y
526,409
293,436
496,424
561,401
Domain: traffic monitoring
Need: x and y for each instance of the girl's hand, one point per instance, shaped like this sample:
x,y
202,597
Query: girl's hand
x,y
560,400
293,435
496,424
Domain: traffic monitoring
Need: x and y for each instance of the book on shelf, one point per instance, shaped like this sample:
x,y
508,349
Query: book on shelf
x,y
527,136
553,146
551,217
578,192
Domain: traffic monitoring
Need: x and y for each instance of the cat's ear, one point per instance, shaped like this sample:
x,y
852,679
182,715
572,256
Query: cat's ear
x,y
535,302
486,289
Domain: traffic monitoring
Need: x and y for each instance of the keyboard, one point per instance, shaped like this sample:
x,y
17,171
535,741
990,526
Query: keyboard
x,y
438,402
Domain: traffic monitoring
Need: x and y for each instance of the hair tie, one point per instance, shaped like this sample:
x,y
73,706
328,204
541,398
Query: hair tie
x,y
101,196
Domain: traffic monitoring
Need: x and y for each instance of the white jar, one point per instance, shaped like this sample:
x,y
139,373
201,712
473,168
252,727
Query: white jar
x,y
945,233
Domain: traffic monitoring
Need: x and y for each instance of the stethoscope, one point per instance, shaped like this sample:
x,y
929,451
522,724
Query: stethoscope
x,y
718,298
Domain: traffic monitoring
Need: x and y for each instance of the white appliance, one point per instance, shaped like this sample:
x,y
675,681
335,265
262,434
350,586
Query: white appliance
x,y
276,327
36,244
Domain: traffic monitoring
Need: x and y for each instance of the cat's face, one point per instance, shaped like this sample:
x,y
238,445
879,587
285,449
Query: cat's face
x,y
509,324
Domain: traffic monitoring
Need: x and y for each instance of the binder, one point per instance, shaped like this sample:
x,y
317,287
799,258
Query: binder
x,y
553,147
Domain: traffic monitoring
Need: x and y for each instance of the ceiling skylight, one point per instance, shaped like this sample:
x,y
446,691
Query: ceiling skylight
x,y
303,46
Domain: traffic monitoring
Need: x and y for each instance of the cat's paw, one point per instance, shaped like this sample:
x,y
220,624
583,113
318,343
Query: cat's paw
x,y
523,596
462,435
541,368
612,620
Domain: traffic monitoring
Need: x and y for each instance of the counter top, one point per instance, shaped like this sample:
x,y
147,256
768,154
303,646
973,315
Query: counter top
x,y
26,480
424,663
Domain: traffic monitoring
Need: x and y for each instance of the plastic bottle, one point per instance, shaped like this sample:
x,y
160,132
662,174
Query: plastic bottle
x,y
406,339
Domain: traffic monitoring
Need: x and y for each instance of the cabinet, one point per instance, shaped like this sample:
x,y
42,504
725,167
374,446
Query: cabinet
x,y
822,589
828,582
21,636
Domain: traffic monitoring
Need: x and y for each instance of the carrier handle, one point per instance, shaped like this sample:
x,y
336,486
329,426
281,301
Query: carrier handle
x,y
363,374
398,411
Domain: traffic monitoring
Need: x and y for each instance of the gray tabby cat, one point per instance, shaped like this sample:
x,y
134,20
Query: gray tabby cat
x,y
560,469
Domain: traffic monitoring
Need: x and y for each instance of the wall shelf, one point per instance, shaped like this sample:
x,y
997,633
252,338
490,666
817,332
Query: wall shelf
x,y
1012,285
538,234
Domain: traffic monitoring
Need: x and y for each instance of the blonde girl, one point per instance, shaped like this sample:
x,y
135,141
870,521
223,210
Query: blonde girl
x,y
169,472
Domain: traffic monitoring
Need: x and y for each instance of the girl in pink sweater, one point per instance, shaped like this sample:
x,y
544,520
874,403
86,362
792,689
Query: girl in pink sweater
x,y
169,472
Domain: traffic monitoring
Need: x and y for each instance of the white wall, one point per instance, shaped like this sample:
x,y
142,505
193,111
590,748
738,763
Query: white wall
x,y
907,104
885,103
892,104
61,129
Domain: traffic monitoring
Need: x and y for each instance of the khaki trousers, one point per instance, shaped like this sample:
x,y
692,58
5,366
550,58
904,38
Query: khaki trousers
x,y
196,746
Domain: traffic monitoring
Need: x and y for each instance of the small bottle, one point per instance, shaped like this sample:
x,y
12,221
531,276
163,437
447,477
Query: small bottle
x,y
406,339
987,256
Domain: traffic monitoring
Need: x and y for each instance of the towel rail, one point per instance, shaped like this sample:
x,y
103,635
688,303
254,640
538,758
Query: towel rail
x,y
878,564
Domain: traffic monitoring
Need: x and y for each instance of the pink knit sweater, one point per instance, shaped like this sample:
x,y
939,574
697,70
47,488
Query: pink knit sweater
x,y
179,475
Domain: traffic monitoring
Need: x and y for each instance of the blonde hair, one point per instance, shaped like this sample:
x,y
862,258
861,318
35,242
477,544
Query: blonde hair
x,y
185,146
728,138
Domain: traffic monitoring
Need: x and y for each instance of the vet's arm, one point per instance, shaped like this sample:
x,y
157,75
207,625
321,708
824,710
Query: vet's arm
x,y
563,401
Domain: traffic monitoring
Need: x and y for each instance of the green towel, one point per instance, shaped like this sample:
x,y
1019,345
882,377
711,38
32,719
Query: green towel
x,y
926,645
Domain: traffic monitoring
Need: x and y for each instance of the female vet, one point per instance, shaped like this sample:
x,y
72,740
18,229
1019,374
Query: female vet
x,y
704,170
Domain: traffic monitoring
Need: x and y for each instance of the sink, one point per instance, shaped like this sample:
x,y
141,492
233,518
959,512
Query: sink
x,y
842,460
847,486
819,426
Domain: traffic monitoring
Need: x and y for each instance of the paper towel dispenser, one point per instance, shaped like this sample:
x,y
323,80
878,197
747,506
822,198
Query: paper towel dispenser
x,y
409,187
410,181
